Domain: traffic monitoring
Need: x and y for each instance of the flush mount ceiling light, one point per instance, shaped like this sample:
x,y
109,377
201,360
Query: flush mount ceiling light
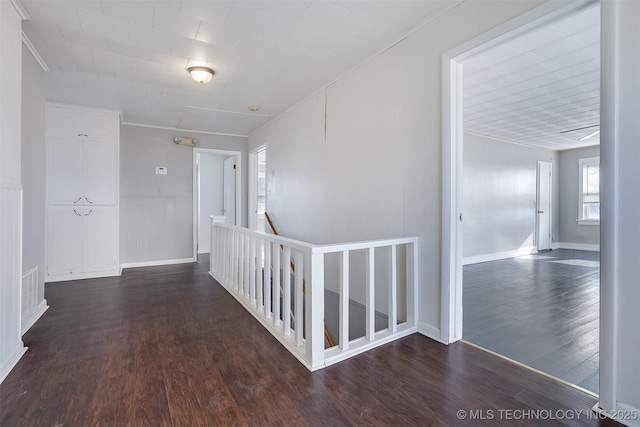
x,y
201,74
254,108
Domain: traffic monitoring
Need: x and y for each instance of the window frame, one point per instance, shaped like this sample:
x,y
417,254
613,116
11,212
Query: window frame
x,y
581,166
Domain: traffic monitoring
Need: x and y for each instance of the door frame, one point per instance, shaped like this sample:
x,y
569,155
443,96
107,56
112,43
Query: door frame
x,y
195,204
541,162
452,149
253,184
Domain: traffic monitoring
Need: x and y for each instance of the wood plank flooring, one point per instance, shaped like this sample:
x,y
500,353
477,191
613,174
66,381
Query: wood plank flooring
x,y
541,310
168,346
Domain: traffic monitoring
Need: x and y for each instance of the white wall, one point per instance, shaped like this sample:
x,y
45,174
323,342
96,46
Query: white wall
x,y
620,192
11,346
156,211
499,193
211,195
570,230
376,172
33,167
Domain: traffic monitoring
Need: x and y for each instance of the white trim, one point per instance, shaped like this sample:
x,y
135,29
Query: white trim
x,y
555,245
579,246
624,414
581,163
361,345
33,318
19,7
157,263
144,125
538,176
12,360
252,187
34,52
430,331
514,253
85,108
81,276
238,155
452,122
588,221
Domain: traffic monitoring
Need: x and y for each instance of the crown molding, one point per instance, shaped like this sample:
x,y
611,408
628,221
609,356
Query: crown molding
x,y
17,4
34,52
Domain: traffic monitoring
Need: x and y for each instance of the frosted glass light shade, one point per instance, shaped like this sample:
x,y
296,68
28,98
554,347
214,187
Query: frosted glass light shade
x,y
201,74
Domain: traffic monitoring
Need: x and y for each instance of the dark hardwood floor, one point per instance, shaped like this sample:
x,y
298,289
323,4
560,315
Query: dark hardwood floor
x,y
541,310
167,346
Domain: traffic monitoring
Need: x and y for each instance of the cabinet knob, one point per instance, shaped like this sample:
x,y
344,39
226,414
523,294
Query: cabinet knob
x,y
83,134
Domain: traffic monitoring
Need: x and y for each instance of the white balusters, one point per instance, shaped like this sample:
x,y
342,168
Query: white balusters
x,y
370,292
393,290
282,283
344,301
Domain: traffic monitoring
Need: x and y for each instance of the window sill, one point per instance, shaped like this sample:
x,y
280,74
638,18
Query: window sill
x,y
588,221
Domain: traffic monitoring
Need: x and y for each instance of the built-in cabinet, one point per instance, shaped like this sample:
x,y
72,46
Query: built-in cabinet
x,y
82,192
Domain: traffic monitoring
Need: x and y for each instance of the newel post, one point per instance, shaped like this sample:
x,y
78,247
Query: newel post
x,y
214,248
314,302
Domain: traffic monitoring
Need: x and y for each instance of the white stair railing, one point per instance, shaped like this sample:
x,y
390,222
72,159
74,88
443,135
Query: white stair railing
x,y
255,268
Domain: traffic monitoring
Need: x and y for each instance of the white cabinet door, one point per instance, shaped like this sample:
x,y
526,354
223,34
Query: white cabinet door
x,y
99,238
81,122
99,173
64,172
64,240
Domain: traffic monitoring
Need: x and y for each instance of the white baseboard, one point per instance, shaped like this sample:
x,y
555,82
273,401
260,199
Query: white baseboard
x,y
157,263
527,250
579,246
11,361
430,331
555,245
625,414
81,276
33,317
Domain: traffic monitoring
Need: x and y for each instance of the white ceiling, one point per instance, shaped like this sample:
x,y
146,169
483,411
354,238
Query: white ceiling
x,y
533,89
132,55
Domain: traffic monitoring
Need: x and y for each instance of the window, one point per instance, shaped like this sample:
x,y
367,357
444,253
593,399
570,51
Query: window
x,y
589,191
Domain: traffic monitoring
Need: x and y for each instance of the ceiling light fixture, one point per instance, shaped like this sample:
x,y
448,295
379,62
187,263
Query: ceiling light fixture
x,y
201,74
254,108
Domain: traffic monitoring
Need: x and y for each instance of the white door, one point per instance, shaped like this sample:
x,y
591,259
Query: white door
x,y
544,206
99,173
64,240
99,226
210,177
230,190
64,172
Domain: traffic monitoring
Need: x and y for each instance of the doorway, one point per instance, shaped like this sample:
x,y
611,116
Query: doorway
x,y
257,188
453,172
216,185
544,207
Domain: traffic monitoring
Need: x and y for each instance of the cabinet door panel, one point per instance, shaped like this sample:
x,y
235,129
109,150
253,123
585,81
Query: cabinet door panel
x,y
100,239
64,241
100,179
64,172
76,122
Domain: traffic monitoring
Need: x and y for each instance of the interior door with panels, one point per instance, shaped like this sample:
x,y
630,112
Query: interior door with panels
x,y
99,252
99,173
64,240
64,171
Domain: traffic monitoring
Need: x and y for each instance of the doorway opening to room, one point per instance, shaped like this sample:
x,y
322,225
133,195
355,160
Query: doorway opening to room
x,y
525,259
258,188
216,192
